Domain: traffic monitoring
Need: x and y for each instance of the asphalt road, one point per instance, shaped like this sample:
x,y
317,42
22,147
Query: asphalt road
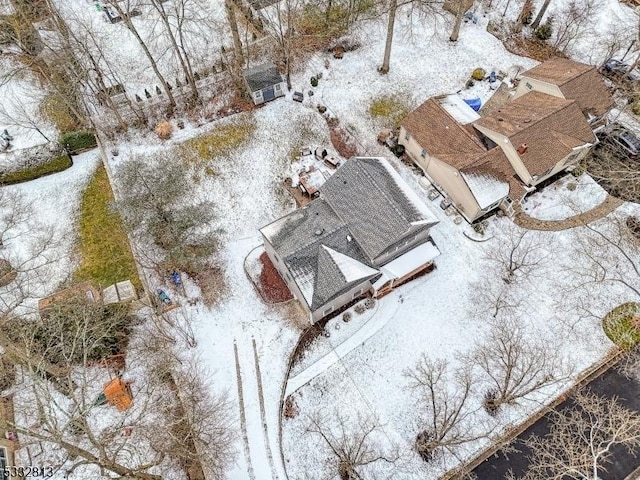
x,y
609,384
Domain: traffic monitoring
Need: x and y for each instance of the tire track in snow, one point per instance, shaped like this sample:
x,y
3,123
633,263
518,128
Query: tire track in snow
x,y
253,413
243,419
263,413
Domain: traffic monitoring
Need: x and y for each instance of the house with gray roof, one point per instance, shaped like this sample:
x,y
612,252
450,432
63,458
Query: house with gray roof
x,y
365,233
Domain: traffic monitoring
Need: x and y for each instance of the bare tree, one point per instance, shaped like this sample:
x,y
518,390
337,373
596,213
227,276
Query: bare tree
x,y
174,423
352,446
515,364
581,439
605,254
610,166
123,10
519,253
427,8
443,406
572,22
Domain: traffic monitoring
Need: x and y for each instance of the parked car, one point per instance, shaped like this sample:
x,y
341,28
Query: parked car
x,y
623,139
616,69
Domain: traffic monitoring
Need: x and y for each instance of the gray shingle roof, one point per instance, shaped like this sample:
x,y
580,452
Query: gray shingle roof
x,y
373,202
262,76
363,209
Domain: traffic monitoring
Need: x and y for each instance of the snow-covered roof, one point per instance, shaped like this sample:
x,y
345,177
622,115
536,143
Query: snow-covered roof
x,y
411,260
455,106
349,267
485,188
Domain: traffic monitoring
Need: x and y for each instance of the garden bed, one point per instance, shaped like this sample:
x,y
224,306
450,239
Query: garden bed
x,y
270,285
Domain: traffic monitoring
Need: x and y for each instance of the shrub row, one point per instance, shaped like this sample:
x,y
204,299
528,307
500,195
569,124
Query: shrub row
x,y
76,142
57,164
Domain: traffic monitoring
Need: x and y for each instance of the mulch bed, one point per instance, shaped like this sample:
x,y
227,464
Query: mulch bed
x,y
271,285
342,143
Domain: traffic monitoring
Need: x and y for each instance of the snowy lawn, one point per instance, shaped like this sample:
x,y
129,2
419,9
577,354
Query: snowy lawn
x,y
53,205
564,198
246,187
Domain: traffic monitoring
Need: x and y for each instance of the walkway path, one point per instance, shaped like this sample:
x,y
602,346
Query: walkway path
x,y
605,208
385,310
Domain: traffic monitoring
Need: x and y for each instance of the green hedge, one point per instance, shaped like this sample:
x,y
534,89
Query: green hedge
x,y
58,164
76,142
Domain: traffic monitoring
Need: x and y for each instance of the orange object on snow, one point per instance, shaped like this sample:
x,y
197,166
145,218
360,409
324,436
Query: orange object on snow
x,y
118,393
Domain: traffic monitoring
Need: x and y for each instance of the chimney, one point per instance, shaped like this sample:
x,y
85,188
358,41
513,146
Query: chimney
x,y
522,149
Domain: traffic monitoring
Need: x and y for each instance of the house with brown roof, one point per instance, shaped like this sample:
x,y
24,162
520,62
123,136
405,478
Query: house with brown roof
x,y
570,80
480,163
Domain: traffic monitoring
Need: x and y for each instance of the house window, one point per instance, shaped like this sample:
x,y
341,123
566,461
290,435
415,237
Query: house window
x,y
407,136
276,257
528,85
3,459
423,154
355,294
258,94
287,276
327,311
278,87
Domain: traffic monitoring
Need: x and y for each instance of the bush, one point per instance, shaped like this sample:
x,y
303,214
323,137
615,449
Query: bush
x,y
478,74
391,108
164,130
314,82
621,325
544,31
635,108
76,142
58,164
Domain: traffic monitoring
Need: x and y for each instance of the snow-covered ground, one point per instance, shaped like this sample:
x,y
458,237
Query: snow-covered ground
x,y
120,54
359,369
20,112
52,203
564,198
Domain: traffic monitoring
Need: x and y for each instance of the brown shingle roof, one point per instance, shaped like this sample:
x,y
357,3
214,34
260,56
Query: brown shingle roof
x,y
549,126
441,136
497,165
577,81
557,71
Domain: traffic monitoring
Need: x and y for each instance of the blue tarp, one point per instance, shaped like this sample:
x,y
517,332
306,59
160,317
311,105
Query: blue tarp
x,y
474,103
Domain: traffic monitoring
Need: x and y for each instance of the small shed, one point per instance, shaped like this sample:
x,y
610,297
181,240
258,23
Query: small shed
x,y
264,82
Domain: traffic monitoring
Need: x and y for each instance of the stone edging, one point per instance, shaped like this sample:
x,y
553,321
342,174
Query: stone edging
x,y
292,357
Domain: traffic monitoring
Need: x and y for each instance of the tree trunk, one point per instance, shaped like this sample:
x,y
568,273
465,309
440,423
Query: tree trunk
x,y
543,10
182,59
393,6
237,44
456,26
154,65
